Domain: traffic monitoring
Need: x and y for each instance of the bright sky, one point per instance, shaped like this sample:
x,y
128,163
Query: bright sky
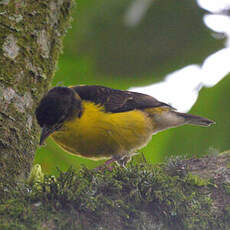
x,y
194,77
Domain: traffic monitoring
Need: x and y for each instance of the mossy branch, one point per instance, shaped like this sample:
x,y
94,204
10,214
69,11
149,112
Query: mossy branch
x,y
31,34
180,194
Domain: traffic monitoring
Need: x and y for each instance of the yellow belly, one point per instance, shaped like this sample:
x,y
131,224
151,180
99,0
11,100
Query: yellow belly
x,y
97,134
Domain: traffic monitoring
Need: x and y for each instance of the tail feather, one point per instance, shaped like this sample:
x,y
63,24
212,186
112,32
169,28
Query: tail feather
x,y
196,120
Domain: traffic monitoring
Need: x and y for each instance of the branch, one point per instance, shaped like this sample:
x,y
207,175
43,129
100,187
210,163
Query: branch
x,y
177,195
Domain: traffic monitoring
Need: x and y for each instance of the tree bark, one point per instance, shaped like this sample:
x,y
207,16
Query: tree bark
x,y
31,34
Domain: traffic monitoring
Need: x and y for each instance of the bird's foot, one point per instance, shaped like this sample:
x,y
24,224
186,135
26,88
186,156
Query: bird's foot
x,y
123,161
106,165
120,162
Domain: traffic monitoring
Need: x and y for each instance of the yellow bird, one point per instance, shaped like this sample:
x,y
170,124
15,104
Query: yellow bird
x,y
98,122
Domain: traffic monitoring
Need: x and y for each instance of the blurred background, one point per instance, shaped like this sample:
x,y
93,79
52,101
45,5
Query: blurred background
x,y
175,50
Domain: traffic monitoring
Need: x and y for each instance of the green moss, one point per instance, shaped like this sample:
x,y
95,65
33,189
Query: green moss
x,y
196,180
227,188
227,212
35,18
228,165
131,198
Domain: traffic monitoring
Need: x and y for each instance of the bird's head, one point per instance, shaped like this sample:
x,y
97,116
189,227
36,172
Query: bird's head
x,y
60,104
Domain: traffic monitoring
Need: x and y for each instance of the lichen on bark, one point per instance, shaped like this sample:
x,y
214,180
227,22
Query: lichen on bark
x,y
10,47
31,34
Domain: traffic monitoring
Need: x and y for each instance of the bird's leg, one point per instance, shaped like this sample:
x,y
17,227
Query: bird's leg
x,y
120,161
123,161
110,161
106,164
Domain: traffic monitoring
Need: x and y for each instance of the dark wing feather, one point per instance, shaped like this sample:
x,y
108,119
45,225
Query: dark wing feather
x,y
116,101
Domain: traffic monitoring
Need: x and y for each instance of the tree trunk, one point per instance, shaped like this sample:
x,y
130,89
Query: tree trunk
x,y
31,34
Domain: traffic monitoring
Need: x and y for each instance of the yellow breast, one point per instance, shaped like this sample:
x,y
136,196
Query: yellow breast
x,y
98,134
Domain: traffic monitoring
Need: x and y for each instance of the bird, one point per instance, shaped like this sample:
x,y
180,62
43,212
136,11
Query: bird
x,y
98,122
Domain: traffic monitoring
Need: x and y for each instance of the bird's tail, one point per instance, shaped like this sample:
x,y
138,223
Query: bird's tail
x,y
195,120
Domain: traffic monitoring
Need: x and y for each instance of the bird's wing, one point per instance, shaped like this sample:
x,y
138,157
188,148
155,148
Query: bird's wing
x,y
116,101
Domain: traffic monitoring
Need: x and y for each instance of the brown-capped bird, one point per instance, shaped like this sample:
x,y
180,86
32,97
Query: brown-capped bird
x,y
98,122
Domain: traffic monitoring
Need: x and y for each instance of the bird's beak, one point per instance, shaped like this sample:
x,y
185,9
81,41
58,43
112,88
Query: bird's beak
x,y
44,134
48,131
